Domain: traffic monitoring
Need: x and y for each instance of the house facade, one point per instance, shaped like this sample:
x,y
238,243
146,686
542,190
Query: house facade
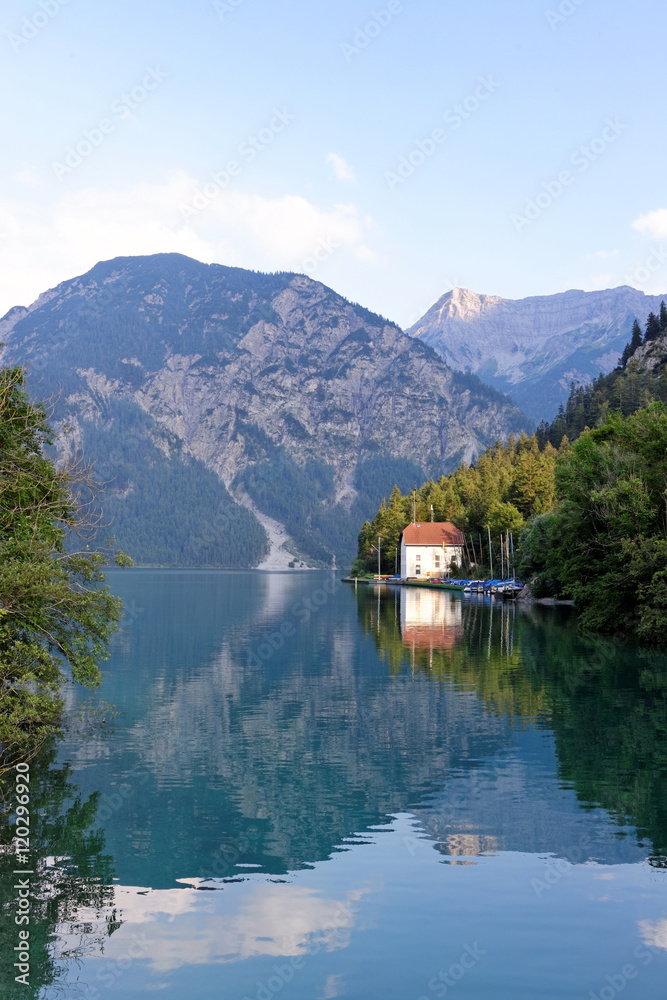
x,y
429,549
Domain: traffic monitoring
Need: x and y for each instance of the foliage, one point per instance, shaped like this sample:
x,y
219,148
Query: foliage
x,y
629,387
54,607
507,485
606,543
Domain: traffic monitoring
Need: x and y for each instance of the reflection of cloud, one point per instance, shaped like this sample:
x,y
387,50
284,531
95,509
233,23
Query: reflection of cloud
x,y
333,987
181,926
654,933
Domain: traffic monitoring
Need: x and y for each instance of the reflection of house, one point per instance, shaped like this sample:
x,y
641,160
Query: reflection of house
x,y
430,549
430,619
466,845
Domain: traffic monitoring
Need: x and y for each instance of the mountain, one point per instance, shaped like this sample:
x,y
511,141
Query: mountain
x,y
242,418
534,348
639,379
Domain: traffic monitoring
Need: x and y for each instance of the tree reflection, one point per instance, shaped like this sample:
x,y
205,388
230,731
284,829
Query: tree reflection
x,y
71,891
605,701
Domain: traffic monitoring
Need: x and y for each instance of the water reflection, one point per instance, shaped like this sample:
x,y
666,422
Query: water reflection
x,y
428,622
72,901
243,804
605,702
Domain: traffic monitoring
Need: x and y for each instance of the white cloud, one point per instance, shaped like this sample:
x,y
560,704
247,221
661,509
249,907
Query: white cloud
x,y
342,169
603,254
41,245
652,224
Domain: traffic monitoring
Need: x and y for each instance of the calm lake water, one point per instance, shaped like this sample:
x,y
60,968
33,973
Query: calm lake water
x,y
311,792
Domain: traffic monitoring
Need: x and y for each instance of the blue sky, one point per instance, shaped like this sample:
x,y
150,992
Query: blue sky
x,y
391,151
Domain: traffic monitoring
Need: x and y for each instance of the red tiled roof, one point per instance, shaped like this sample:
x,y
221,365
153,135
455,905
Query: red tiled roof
x,y
432,534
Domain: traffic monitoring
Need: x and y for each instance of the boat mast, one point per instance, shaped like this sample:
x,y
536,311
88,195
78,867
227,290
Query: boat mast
x,y
490,551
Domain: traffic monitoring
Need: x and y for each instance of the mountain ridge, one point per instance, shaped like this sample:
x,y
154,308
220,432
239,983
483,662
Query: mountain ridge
x,y
266,385
534,348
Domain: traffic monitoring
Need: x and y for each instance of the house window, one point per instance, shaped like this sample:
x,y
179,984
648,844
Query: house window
x,y
418,571
418,558
436,562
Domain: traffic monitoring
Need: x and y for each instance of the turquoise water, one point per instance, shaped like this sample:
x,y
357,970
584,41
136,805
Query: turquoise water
x,y
312,792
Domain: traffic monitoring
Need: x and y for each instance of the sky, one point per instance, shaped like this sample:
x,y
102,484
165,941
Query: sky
x,y
392,151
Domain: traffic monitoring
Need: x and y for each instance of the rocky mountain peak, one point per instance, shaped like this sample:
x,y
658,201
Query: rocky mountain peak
x,y
303,407
534,348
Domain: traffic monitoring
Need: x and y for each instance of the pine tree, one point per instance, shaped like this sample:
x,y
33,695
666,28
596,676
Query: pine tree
x,y
663,317
625,357
652,328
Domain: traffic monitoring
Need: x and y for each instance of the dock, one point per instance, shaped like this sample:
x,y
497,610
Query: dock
x,y
498,588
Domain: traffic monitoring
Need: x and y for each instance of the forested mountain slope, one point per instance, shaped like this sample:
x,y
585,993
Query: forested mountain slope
x,y
639,379
191,384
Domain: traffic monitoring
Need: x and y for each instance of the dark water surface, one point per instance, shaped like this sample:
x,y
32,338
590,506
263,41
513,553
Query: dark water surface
x,y
314,793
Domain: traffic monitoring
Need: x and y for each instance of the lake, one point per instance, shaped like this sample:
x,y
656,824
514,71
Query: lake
x,y
315,792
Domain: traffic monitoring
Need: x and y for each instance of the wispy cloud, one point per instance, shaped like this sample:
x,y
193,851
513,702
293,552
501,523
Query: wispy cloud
x,y
45,245
342,169
602,254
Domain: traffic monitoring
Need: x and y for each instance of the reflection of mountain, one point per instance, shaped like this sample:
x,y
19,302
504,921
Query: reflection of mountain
x,y
228,756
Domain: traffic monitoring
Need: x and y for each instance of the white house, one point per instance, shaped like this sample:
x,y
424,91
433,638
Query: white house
x,y
430,549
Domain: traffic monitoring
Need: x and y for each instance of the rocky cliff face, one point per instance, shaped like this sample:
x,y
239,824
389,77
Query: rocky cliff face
x,y
534,348
273,385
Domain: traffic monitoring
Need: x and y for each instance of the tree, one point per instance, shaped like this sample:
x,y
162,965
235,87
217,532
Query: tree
x,y
55,611
605,544
631,347
663,317
652,328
